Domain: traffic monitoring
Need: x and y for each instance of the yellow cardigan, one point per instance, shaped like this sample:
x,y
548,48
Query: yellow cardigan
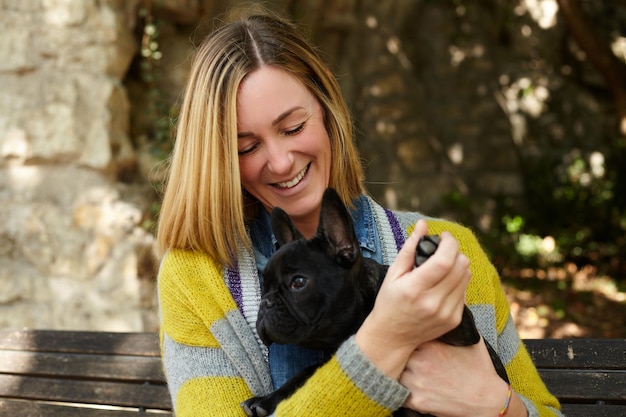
x,y
213,359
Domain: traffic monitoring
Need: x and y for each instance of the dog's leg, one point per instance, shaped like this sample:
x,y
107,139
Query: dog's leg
x,y
407,412
465,333
264,406
497,363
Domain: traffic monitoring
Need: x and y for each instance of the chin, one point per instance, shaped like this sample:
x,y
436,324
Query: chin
x,y
309,205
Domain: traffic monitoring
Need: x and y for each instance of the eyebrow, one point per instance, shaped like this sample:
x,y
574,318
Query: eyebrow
x,y
276,121
285,114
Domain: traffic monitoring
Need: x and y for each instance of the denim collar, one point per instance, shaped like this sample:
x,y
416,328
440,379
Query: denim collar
x,y
365,228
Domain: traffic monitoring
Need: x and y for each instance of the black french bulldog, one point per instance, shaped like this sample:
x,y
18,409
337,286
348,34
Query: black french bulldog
x,y
316,293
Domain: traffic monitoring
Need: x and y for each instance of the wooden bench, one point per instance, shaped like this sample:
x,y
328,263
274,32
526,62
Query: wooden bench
x,y
99,374
588,376
75,373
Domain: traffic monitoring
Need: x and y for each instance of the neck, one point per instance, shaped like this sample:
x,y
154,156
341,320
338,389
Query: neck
x,y
307,224
307,229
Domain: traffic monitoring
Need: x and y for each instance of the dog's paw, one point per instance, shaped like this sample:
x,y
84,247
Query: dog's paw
x,y
254,408
426,246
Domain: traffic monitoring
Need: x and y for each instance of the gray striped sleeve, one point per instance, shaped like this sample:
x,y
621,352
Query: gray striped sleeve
x,y
239,355
243,351
184,362
387,392
506,343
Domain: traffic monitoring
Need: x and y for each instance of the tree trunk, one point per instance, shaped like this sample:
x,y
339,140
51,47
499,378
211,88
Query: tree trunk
x,y
600,55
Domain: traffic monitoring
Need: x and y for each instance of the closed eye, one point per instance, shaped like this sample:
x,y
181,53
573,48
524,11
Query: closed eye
x,y
295,130
248,150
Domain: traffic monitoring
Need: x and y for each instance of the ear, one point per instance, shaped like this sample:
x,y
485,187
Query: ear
x,y
283,227
336,228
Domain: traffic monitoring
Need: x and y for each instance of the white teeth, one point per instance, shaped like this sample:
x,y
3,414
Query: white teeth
x,y
295,181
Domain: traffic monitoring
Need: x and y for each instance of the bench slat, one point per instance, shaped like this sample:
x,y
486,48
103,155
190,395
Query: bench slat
x,y
86,392
128,368
579,353
137,344
37,409
581,385
588,410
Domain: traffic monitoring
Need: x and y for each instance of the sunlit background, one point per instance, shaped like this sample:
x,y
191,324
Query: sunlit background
x,y
508,116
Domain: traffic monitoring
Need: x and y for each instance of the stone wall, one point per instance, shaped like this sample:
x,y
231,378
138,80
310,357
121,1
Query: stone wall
x,y
72,252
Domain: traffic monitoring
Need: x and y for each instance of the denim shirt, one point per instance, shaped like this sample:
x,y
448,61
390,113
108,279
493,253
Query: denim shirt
x,y
286,360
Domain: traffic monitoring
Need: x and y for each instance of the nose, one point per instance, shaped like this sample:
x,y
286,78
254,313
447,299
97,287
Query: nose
x,y
267,303
279,157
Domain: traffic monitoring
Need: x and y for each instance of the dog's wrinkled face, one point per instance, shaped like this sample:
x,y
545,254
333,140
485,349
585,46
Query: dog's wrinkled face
x,y
308,285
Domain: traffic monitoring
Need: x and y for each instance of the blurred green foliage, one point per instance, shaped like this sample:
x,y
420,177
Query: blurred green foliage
x,y
574,210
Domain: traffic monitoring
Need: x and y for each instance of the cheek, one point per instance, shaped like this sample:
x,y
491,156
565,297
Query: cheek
x,y
248,172
325,152
319,143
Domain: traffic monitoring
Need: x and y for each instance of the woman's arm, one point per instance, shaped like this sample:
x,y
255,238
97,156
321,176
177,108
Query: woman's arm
x,y
448,381
202,379
456,381
415,305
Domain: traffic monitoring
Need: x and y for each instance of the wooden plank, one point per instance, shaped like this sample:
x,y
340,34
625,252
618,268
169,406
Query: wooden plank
x,y
589,410
580,385
37,409
139,344
126,368
87,392
578,353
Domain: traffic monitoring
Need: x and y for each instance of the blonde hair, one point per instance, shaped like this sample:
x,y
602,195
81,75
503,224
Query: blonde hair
x,y
204,206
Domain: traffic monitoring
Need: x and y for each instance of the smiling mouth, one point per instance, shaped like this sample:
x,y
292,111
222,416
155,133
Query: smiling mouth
x,y
295,181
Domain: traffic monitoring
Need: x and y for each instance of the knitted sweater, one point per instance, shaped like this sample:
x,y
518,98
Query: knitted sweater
x,y
214,360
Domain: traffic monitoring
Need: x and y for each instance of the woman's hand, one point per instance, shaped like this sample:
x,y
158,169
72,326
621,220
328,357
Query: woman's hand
x,y
454,381
415,305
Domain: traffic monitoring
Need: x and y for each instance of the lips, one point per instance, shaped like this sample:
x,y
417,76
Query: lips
x,y
295,181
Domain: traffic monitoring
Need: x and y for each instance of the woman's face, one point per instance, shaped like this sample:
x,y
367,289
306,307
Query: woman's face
x,y
284,148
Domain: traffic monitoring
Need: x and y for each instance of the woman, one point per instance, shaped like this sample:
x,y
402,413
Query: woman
x,y
263,124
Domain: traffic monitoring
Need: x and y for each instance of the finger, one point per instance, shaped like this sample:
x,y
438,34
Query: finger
x,y
447,291
459,279
463,275
436,268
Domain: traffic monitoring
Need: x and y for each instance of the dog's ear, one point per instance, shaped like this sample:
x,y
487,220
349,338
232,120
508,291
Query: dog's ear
x,y
336,228
283,227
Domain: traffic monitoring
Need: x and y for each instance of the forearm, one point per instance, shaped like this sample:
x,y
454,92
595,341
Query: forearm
x,y
389,359
516,407
358,389
501,400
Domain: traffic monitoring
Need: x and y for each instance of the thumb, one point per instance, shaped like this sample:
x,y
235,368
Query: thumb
x,y
405,261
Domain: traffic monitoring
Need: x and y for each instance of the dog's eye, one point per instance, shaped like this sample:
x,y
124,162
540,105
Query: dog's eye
x,y
298,283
